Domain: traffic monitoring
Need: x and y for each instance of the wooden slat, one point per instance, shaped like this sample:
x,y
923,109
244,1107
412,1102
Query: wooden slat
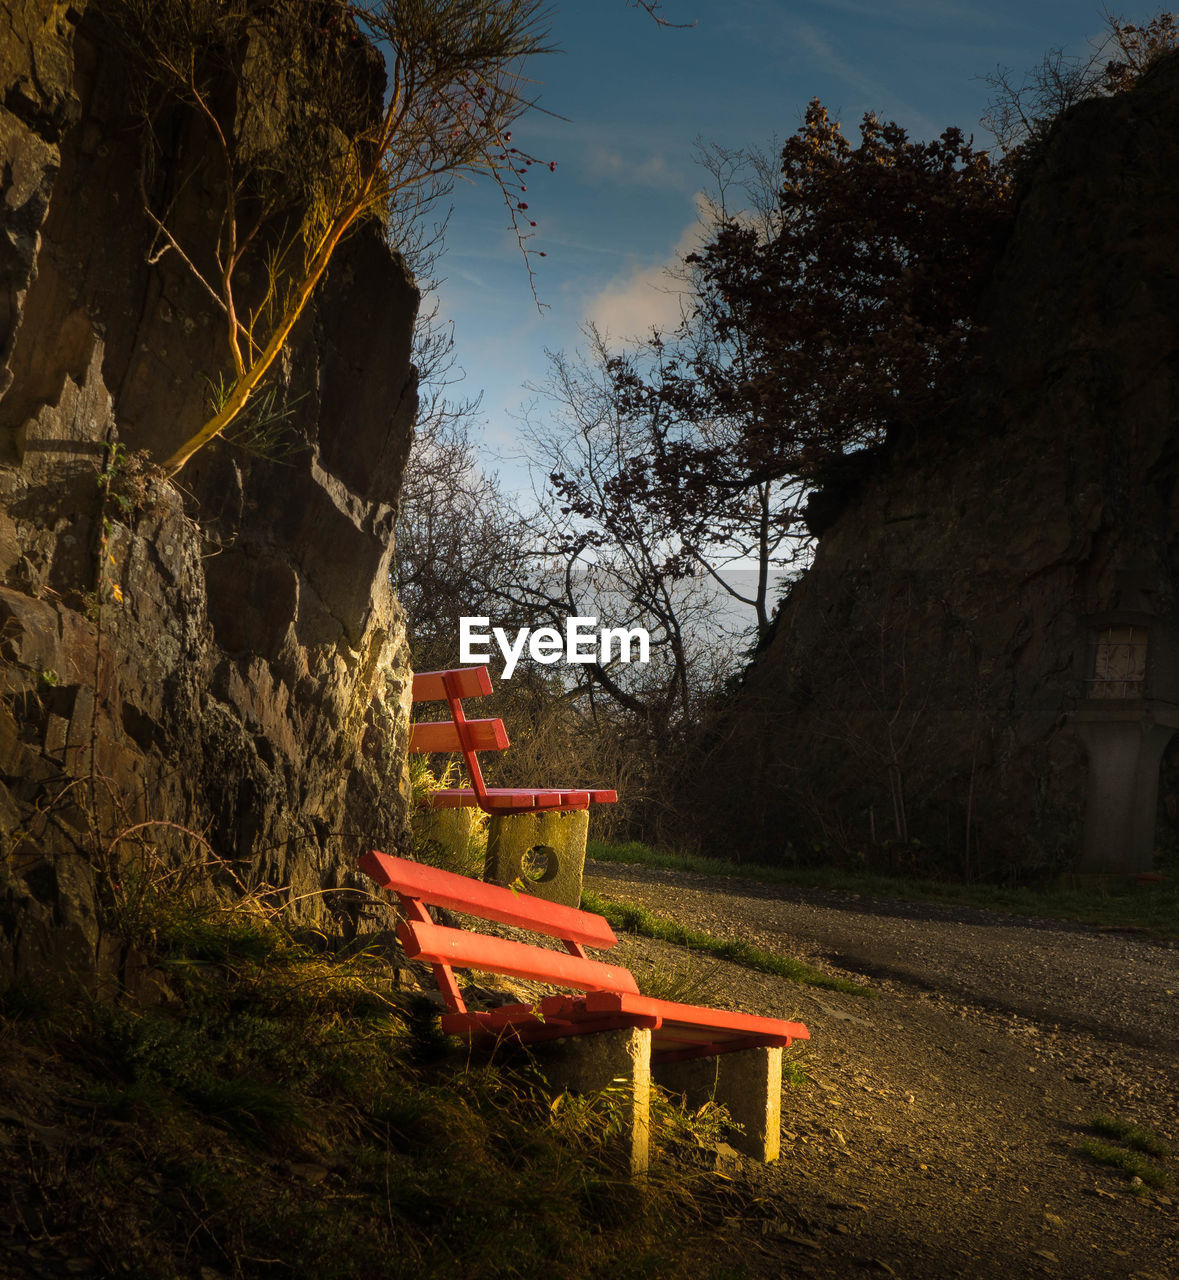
x,y
689,1016
560,1010
510,799
460,948
551,798
680,1049
451,798
488,901
465,798
415,913
594,795
562,1016
467,682
531,1029
682,1031
443,735
515,798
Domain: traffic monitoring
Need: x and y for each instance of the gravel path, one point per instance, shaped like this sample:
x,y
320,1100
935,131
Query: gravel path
x,y
937,1131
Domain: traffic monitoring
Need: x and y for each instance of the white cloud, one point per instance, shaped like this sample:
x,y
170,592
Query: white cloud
x,y
632,308
606,164
646,296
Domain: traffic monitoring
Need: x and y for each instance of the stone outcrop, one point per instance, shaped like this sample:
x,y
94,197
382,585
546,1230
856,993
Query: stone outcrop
x,y
224,655
920,690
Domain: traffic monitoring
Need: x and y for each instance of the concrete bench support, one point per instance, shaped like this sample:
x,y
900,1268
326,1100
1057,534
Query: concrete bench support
x,y
444,838
544,848
619,1061
748,1083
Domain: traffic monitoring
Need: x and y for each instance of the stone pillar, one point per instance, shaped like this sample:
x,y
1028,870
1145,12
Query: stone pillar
x,y
748,1083
543,849
1120,809
448,838
618,1061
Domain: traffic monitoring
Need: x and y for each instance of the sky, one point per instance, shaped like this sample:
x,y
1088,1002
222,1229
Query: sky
x,y
627,101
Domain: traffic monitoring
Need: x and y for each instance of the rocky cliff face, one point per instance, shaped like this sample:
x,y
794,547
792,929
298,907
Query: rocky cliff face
x,y
923,673
224,655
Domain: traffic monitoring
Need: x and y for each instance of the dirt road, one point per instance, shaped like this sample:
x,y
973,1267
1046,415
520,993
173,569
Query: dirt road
x,y
937,1131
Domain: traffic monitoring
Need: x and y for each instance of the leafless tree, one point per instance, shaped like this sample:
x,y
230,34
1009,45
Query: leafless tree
x,y
600,552
1023,108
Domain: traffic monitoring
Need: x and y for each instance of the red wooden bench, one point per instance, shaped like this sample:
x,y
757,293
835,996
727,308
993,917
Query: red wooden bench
x,y
676,1036
469,737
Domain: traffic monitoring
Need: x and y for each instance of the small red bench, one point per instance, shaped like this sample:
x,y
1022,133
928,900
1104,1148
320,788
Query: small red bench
x,y
661,1036
469,737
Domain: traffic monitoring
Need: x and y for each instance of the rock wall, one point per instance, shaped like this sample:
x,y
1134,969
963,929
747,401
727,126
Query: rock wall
x,y
223,655
915,703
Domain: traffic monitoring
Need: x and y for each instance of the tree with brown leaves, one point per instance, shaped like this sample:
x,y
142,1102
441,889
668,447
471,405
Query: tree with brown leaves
x,y
847,316
835,308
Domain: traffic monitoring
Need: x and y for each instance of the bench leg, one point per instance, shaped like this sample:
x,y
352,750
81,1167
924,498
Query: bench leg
x,y
619,1061
748,1083
543,849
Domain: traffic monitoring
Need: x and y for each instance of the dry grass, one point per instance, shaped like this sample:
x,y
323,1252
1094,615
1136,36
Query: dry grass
x,y
284,1109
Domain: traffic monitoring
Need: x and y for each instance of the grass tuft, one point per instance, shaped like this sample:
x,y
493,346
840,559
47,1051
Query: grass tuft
x,y
683,983
1134,1144
1133,1135
793,1074
27,1002
453,839
632,918
1152,908
1129,1162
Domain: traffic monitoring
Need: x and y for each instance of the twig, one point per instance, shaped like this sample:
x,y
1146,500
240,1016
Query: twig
x,y
652,7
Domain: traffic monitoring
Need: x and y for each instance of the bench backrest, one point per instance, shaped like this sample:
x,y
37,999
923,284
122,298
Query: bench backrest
x,y
458,733
469,737
419,886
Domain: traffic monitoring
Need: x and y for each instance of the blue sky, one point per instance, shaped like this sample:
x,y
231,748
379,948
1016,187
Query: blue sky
x,y
630,98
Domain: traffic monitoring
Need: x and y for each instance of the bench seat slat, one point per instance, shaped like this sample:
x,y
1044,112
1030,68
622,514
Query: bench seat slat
x,y
510,798
597,795
530,1029
671,1050
466,682
519,798
680,1031
443,735
446,889
554,1011
463,949
466,798
696,1018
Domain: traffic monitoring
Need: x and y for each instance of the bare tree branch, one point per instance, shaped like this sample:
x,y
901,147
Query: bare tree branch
x,y
653,7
